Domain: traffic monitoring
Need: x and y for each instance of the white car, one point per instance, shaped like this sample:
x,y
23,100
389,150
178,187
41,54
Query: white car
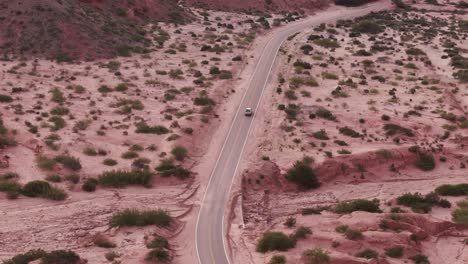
x,y
248,111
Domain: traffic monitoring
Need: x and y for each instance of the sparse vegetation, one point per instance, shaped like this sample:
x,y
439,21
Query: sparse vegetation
x,y
134,217
271,241
303,175
121,178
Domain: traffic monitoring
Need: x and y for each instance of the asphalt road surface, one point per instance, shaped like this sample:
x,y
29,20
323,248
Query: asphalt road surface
x,y
210,225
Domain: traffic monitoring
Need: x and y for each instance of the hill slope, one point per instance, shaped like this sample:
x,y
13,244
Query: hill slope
x,y
84,29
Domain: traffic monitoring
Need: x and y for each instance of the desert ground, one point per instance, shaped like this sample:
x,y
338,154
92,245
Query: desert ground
x,y
109,158
365,104
64,125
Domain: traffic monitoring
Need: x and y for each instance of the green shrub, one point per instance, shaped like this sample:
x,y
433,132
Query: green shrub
x,y
109,162
9,186
57,96
179,153
367,254
43,189
426,162
203,101
328,43
358,205
54,178
5,98
89,185
316,256
167,168
341,229
271,241
59,110
69,162
60,257
353,234
452,190
73,178
394,252
421,204
349,132
104,242
277,259
129,155
158,242
58,123
122,87
45,163
303,175
393,129
301,232
460,215
314,210
329,75
325,113
368,27
135,217
27,257
321,135
420,259
90,151
158,255
121,178
145,129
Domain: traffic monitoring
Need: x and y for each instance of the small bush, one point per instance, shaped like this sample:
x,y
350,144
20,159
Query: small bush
x,y
349,132
121,178
158,242
158,255
301,232
271,241
426,162
167,168
420,259
102,241
341,229
60,257
134,217
145,129
371,206
452,190
367,254
69,162
5,98
109,162
394,252
326,114
421,204
368,27
27,257
303,175
89,185
277,259
316,256
179,153
460,215
353,234
393,129
43,189
45,163
321,135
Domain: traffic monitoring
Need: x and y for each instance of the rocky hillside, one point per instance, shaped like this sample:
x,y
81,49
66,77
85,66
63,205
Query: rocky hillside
x,y
84,29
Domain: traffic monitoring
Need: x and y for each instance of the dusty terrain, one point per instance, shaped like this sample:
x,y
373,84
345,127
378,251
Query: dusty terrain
x,y
333,91
122,114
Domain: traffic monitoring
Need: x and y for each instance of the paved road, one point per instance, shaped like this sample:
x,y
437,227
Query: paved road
x,y
210,224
